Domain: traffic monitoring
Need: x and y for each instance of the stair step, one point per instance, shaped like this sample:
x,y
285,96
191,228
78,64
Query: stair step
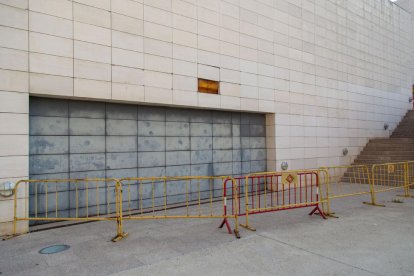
x,y
376,161
388,148
392,140
386,153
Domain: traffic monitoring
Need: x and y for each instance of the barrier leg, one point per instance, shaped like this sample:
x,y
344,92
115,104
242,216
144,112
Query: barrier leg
x,y
372,191
226,222
236,227
120,234
15,218
328,212
317,211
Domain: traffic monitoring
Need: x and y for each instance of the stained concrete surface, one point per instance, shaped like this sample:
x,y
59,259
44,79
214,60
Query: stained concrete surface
x,y
364,240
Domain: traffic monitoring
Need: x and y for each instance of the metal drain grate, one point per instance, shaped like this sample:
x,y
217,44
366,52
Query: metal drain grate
x,y
54,249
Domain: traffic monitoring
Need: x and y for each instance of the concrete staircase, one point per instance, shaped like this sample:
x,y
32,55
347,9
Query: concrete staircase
x,y
399,147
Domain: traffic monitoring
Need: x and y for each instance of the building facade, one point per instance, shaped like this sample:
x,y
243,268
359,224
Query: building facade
x,y
110,87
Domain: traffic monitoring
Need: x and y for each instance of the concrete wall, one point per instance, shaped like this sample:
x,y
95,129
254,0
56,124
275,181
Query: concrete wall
x,y
330,73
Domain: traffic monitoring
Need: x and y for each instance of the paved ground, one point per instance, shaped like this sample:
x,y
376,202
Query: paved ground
x,y
365,240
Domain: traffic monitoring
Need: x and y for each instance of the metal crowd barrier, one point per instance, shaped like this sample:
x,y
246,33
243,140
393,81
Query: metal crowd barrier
x,y
391,176
277,191
206,197
345,181
357,180
68,200
172,197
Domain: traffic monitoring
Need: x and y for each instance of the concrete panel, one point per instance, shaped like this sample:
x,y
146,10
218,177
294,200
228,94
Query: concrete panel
x,y
202,169
201,143
44,164
151,172
177,129
121,111
237,168
178,143
222,156
245,142
222,129
236,118
48,107
246,154
177,158
257,130
123,160
87,144
201,116
223,168
183,170
90,174
122,173
244,130
201,129
121,143
151,143
151,128
222,117
62,202
39,188
48,125
48,145
236,143
121,127
245,167
201,156
151,159
257,119
177,115
258,142
258,166
245,118
147,113
81,109
236,155
235,130
258,154
222,143
87,162
84,126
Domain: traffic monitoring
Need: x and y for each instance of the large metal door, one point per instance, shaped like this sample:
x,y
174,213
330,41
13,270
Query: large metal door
x,y
84,139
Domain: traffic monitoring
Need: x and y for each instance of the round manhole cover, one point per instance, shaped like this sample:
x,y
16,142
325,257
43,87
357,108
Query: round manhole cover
x,y
54,249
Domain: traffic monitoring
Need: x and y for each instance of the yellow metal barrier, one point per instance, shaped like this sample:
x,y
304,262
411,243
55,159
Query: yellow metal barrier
x,y
410,175
346,181
391,176
171,198
69,200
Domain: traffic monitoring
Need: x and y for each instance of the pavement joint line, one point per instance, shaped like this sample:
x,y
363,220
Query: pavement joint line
x,y
317,254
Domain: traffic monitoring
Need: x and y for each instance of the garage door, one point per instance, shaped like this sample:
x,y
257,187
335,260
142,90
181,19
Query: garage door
x,y
83,139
